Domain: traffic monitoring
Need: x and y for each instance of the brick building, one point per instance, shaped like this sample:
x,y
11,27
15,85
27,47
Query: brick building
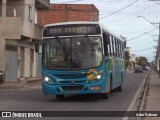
x,y
68,12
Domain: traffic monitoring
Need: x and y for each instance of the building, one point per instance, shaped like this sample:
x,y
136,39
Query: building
x,y
131,63
68,12
18,34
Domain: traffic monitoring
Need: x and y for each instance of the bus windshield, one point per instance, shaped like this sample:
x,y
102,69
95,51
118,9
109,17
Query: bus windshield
x,y
72,53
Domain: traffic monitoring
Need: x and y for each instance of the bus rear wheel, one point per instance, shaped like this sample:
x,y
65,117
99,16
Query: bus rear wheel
x,y
60,97
119,88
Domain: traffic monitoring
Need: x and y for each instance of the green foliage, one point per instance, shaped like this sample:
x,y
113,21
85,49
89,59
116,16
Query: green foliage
x,y
142,60
127,55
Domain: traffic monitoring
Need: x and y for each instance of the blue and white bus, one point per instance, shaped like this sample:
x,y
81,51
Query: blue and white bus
x,y
81,58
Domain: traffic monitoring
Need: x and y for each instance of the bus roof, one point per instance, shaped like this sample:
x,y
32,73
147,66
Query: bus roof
x,y
104,29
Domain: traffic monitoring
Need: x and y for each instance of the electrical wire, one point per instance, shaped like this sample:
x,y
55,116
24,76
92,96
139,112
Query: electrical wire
x,y
119,10
156,3
141,35
134,32
142,49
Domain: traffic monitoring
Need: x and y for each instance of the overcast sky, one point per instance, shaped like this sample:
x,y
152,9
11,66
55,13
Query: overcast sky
x,y
126,22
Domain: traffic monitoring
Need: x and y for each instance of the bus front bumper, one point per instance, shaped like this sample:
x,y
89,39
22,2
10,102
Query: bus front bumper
x,y
97,87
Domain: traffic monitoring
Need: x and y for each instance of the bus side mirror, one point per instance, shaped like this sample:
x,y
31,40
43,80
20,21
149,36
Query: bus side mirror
x,y
106,38
38,47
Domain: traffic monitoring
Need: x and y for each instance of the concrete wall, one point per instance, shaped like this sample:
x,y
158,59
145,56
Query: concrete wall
x,y
28,25
21,9
10,28
133,57
17,6
68,12
27,62
2,54
128,49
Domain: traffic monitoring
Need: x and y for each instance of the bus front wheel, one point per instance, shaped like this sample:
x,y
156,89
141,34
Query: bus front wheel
x,y
60,97
105,95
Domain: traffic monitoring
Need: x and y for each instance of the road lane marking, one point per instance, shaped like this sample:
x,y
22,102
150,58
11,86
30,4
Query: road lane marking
x,y
130,108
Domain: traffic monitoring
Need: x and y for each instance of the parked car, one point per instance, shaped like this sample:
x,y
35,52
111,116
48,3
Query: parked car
x,y
138,69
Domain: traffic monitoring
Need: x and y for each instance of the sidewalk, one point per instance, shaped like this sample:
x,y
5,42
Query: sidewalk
x,y
152,102
27,83
153,94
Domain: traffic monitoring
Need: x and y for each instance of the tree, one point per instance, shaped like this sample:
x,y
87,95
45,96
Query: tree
x,y
127,58
127,55
142,60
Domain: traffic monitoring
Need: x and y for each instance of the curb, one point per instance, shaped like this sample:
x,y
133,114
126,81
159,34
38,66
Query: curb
x,y
12,86
136,98
20,84
144,93
33,80
141,108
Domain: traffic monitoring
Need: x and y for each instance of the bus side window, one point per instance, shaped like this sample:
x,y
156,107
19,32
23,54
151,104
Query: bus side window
x,y
106,41
116,47
121,50
122,45
110,46
113,44
109,50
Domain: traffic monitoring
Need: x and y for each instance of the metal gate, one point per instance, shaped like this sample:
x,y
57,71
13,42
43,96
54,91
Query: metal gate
x,y
11,63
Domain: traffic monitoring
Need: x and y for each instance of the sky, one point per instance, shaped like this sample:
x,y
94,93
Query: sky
x,y
121,17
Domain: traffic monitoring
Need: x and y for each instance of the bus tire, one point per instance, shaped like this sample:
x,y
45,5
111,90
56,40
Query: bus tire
x,y
119,88
105,95
59,97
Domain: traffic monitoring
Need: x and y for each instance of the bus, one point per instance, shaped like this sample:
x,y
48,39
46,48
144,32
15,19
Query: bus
x,y
81,58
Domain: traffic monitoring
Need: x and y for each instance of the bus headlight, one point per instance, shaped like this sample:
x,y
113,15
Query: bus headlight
x,y
48,80
99,76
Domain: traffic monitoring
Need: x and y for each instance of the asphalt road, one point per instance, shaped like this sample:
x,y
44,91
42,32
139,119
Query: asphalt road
x,y
32,99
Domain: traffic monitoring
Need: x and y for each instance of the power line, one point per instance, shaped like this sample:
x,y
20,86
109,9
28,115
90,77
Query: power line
x,y
133,32
119,10
141,35
156,2
139,43
142,49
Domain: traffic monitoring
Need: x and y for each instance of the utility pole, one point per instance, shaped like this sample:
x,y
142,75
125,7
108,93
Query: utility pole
x,y
157,61
158,47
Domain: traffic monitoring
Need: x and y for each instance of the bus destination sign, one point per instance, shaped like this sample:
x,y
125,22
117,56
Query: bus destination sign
x,y
68,30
